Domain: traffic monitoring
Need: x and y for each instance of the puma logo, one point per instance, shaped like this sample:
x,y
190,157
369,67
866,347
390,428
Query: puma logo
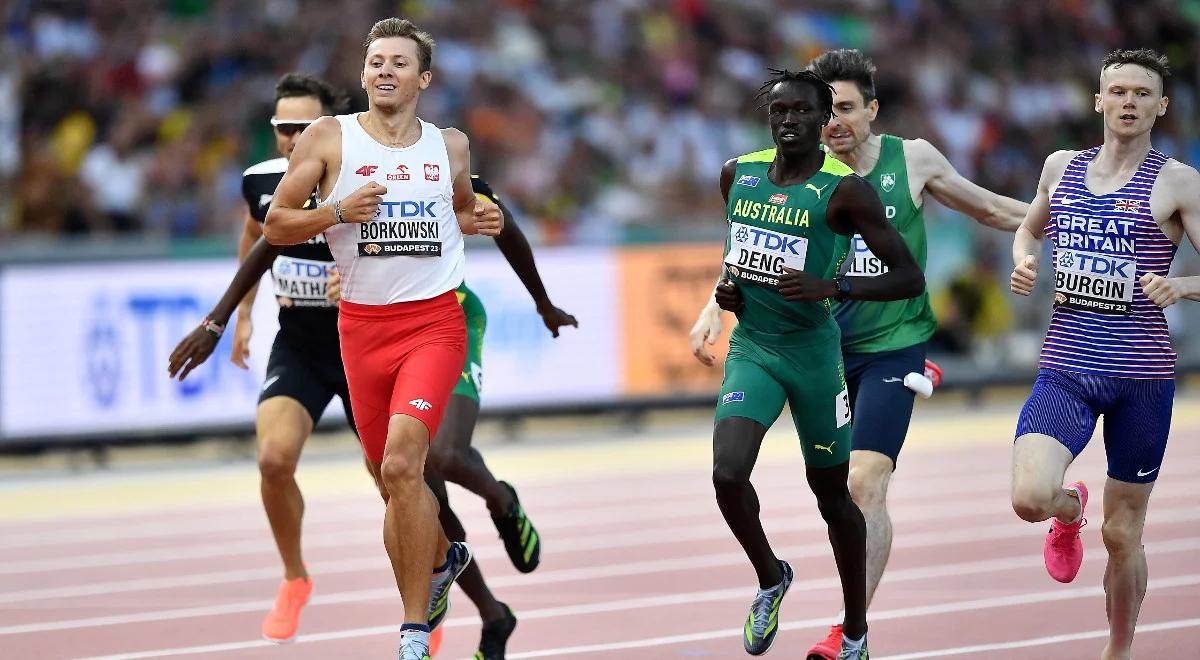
x,y
828,449
815,189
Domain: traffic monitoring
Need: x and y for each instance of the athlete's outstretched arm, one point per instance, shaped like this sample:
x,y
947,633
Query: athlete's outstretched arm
x,y
195,348
475,216
1027,244
952,189
1184,184
517,252
251,232
708,325
288,222
854,208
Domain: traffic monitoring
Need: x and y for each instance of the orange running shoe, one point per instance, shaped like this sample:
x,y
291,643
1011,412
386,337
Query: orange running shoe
x,y
284,618
1063,551
828,648
435,641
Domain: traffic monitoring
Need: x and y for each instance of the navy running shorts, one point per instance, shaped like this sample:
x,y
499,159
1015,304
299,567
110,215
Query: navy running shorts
x,y
1137,418
881,403
307,376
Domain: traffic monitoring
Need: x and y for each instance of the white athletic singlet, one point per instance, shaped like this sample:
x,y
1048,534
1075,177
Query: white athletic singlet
x,y
413,248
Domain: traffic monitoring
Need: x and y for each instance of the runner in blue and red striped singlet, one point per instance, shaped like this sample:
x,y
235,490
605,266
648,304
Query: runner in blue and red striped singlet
x,y
1115,215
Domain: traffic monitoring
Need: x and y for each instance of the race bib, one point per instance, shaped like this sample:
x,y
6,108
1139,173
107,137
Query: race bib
x,y
760,255
1094,282
408,229
864,263
300,282
841,405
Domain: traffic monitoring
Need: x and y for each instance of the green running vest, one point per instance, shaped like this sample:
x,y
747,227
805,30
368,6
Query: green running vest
x,y
771,227
875,326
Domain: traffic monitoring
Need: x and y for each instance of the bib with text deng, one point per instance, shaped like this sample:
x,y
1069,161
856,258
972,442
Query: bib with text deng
x,y
1087,273
300,282
759,255
408,229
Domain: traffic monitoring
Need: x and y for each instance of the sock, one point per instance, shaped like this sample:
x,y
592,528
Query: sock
x,y
415,631
449,560
853,644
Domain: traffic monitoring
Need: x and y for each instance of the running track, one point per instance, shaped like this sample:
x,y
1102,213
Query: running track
x,y
637,561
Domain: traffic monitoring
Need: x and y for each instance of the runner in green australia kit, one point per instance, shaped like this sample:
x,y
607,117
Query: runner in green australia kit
x,y
882,342
791,211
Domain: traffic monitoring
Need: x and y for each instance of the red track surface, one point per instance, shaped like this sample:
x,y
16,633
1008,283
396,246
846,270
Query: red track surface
x,y
634,565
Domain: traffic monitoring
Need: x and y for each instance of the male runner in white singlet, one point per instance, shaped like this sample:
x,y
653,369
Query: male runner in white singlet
x,y
396,200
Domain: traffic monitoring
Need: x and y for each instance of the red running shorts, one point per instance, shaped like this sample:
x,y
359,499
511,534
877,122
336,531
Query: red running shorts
x,y
401,359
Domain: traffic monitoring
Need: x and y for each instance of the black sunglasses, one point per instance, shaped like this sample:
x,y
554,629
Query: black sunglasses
x,y
289,128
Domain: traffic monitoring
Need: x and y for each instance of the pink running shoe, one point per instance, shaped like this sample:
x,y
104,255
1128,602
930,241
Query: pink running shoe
x,y
284,618
1064,549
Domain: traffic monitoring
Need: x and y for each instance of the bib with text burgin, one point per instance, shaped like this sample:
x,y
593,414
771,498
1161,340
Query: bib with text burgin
x,y
300,282
1094,282
760,255
407,228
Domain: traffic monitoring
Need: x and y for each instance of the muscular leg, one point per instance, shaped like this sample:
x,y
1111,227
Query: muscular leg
x,y
471,580
736,442
414,540
848,536
1125,507
1039,465
283,425
870,475
456,461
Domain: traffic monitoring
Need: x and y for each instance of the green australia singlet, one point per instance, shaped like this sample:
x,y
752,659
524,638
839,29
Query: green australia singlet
x,y
771,228
877,326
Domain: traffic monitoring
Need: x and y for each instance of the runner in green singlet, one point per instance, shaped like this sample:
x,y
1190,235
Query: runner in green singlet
x,y
882,342
791,211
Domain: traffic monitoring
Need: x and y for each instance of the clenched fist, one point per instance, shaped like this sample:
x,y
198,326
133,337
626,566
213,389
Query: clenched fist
x,y
1162,291
1024,276
488,218
362,204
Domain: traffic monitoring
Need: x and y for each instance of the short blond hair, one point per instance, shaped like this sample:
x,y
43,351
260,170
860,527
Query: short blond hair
x,y
403,28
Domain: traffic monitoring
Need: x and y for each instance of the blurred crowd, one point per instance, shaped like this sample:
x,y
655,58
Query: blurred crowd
x,y
599,121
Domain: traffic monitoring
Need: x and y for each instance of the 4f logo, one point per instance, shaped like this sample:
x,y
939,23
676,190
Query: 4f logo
x,y
420,404
433,172
366,170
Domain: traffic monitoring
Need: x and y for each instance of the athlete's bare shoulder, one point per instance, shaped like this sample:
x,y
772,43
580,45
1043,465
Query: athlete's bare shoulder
x,y
1177,173
1055,167
1179,186
455,139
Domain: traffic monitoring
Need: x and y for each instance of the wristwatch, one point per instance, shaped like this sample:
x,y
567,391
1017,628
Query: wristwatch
x,y
843,288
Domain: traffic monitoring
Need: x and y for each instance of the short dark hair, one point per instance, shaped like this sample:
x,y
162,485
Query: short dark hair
x,y
824,91
849,64
1143,57
293,85
402,27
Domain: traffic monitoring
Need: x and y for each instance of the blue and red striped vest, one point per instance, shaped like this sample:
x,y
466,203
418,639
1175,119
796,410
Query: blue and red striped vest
x,y
1103,324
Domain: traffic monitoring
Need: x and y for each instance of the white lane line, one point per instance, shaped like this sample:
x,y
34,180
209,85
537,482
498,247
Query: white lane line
x,y
598,572
900,613
337,511
1040,641
580,519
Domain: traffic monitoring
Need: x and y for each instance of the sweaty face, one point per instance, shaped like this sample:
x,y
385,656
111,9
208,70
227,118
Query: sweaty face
x,y
851,122
292,116
1130,99
391,73
795,116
